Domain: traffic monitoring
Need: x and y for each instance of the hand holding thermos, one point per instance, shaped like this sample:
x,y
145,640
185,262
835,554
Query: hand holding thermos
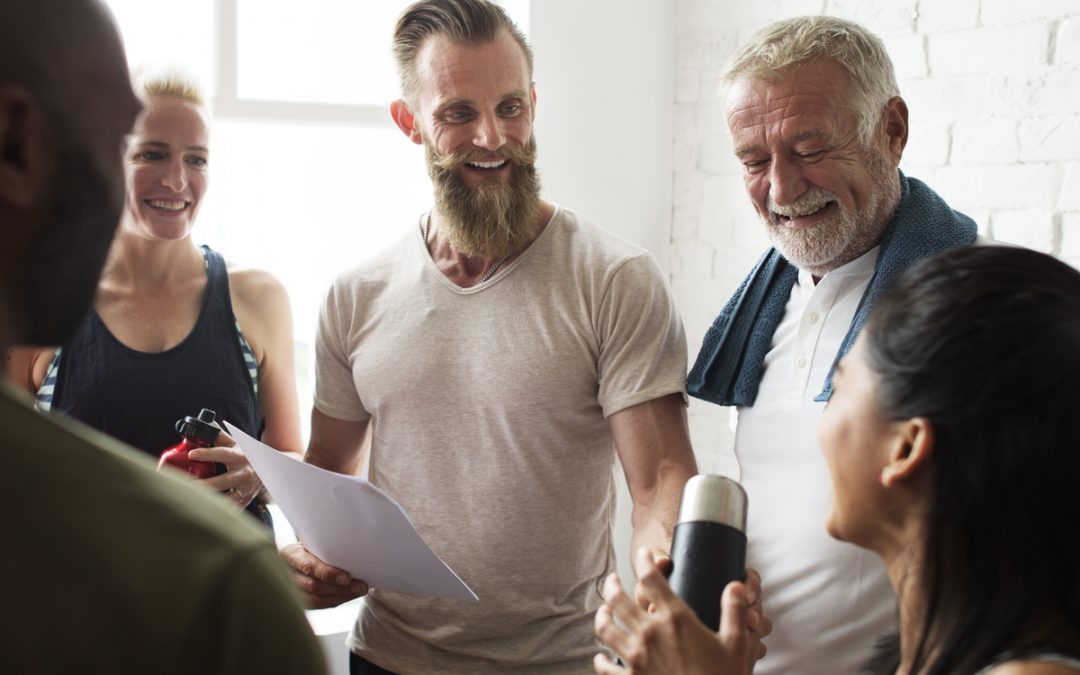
x,y
708,549
700,617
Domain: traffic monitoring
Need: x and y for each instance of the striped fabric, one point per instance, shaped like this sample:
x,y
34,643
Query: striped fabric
x,y
249,358
44,396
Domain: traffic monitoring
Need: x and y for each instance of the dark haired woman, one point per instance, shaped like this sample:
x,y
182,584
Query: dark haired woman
x,y
952,445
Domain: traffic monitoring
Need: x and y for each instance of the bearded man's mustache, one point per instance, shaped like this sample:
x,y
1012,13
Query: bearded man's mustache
x,y
455,159
489,218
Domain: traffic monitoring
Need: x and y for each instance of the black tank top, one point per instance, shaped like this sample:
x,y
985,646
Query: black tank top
x,y
137,397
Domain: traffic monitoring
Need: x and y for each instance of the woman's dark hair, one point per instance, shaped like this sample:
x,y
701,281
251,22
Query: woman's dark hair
x,y
984,342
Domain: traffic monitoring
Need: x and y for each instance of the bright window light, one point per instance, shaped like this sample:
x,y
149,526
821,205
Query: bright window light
x,y
326,52
185,38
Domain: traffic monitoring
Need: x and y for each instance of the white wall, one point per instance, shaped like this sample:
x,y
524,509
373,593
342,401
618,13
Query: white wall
x,y
605,81
605,77
993,88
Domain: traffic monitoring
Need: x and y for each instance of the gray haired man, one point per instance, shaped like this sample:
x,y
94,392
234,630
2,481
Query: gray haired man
x,y
819,126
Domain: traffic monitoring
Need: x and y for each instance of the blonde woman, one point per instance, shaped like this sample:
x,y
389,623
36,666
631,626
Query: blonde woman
x,y
175,328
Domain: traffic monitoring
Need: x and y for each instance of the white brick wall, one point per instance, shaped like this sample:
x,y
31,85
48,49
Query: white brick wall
x,y
1067,42
984,140
1049,139
1007,12
1070,192
993,88
1003,49
937,17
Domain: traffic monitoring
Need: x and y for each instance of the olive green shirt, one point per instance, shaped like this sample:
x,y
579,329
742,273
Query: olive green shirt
x,y
110,567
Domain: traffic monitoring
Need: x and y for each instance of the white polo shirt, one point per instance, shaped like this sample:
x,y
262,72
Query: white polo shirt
x,y
829,601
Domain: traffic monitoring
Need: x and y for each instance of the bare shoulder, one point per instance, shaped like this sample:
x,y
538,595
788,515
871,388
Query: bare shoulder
x,y
26,367
251,285
261,305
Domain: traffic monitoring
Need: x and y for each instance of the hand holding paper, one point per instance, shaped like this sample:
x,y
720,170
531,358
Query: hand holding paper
x,y
351,524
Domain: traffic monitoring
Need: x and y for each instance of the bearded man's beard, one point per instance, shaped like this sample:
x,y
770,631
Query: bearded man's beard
x,y
846,234
491,220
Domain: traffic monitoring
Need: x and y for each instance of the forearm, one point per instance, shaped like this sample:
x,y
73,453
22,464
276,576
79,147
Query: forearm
x,y
653,441
655,510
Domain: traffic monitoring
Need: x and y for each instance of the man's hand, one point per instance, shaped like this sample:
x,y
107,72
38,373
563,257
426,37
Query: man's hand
x,y
322,585
668,637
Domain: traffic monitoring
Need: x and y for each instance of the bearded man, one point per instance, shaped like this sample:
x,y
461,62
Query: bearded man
x,y
498,357
819,127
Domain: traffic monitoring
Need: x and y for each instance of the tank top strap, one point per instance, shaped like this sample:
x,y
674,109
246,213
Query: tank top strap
x,y
138,396
217,284
219,302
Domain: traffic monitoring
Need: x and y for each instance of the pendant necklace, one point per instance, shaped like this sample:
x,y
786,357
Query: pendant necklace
x,y
491,270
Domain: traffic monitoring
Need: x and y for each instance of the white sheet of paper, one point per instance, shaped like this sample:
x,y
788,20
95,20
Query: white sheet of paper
x,y
349,523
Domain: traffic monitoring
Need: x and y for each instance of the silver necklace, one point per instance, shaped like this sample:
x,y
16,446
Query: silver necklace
x,y
491,270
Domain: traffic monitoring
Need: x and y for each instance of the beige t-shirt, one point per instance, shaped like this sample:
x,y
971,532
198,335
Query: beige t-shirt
x,y
488,408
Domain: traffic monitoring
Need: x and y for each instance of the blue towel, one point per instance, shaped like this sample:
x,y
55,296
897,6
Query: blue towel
x,y
729,365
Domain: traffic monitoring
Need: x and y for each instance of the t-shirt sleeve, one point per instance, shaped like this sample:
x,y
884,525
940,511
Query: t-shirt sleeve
x,y
335,389
642,343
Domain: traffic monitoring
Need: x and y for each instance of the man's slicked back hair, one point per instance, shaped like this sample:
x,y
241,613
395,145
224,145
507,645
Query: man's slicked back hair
x,y
469,22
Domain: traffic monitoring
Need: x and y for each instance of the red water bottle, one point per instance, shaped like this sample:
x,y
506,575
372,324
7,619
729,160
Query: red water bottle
x,y
196,432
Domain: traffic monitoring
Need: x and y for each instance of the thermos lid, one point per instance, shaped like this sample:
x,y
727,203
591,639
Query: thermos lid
x,y
202,428
713,499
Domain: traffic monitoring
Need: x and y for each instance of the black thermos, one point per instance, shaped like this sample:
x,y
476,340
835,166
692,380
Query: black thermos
x,y
708,549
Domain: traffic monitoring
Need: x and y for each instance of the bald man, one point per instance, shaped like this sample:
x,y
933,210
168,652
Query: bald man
x,y
108,567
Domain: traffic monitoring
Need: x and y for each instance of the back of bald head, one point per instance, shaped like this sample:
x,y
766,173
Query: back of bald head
x,y
56,49
65,106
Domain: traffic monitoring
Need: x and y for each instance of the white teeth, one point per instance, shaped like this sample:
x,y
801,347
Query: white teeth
x,y
487,165
808,204
798,214
166,204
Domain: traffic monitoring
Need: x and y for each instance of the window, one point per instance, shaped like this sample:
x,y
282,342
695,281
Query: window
x,y
308,174
352,37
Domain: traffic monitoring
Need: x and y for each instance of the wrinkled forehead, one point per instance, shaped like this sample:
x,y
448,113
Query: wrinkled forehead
x,y
815,96
817,76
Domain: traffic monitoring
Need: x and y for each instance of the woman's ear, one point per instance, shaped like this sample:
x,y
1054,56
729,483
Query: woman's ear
x,y
911,453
